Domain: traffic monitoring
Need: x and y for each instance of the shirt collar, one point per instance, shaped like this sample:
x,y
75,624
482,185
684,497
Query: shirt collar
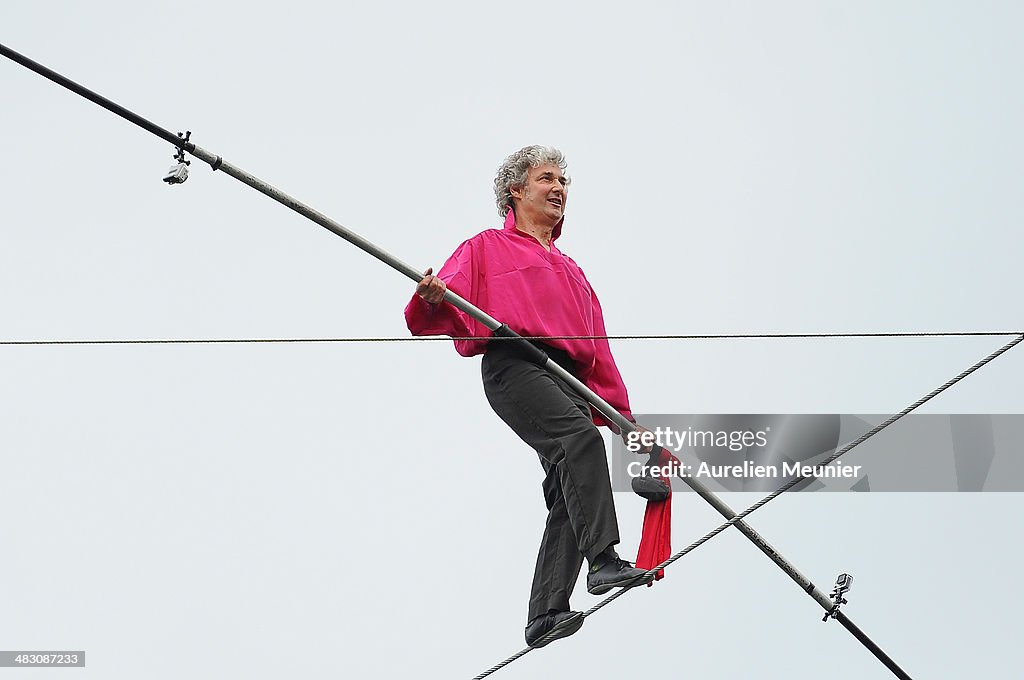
x,y
510,223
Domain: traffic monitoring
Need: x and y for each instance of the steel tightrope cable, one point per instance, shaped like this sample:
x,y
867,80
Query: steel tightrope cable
x,y
442,338
781,490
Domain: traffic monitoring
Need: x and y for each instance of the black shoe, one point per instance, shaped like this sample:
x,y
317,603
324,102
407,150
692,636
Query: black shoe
x,y
614,572
562,624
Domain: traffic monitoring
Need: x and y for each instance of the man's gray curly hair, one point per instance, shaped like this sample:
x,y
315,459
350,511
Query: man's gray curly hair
x,y
513,172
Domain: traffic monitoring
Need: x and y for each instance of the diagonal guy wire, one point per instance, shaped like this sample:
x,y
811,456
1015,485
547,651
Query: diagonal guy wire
x,y
775,494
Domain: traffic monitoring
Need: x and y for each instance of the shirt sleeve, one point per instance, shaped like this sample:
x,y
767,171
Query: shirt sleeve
x,y
424,318
605,378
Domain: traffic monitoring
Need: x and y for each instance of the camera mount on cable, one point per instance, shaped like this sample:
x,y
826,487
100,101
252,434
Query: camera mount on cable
x,y
179,173
843,585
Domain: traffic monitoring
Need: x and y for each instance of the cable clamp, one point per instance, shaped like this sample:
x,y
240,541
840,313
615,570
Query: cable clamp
x,y
843,585
179,173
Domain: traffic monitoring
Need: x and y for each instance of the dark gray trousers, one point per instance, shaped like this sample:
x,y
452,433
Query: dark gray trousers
x,y
555,421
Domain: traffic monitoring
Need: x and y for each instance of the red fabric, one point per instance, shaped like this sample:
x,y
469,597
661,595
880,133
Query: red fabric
x,y
656,536
511,276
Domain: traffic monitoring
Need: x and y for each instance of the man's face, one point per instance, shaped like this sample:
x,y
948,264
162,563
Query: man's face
x,y
542,200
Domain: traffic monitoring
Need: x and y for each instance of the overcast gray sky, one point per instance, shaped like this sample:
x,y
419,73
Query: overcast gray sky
x,y
356,510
